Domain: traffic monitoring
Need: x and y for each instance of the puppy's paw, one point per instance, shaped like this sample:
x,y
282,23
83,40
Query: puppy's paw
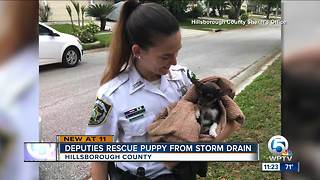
x,y
212,131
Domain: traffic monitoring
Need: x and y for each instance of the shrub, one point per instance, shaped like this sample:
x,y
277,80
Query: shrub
x,y
244,17
196,11
242,11
227,11
92,27
232,13
86,34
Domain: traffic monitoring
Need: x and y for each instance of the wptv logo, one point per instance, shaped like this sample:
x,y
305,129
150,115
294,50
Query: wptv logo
x,y
279,147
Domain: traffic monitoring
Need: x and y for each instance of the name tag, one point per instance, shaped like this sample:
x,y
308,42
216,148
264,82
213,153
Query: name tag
x,y
135,113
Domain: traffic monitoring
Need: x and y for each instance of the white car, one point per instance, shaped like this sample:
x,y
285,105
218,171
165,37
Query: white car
x,y
55,46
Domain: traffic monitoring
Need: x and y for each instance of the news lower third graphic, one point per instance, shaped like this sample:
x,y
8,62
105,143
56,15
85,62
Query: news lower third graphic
x,y
281,156
156,152
102,148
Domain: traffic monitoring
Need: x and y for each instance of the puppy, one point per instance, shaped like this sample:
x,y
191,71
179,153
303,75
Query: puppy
x,y
207,114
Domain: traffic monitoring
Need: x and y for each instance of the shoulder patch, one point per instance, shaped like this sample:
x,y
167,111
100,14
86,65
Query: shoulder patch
x,y
99,113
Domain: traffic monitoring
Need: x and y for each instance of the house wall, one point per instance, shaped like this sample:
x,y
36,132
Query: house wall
x,y
59,11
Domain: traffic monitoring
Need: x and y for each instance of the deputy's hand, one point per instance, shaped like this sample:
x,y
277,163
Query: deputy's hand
x,y
99,171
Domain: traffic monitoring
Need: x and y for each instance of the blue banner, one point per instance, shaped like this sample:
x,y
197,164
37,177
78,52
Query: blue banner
x,y
158,148
289,167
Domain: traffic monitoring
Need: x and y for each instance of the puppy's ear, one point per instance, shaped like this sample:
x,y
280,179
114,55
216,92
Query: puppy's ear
x,y
218,81
225,92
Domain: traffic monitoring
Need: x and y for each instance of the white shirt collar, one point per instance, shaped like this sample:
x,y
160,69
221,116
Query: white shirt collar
x,y
137,81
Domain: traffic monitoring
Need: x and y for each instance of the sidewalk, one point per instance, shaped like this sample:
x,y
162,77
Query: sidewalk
x,y
185,33
192,33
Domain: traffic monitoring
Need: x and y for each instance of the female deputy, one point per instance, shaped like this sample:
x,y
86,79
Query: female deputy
x,y
141,79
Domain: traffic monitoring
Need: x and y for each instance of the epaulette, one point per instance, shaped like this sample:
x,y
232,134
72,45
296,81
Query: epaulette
x,y
108,88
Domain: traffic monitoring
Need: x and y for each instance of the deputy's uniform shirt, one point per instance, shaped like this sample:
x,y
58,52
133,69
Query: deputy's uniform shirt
x,y
19,113
128,104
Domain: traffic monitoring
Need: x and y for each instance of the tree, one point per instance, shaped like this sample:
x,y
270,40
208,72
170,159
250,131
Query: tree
x,y
100,11
216,4
70,15
83,9
177,8
270,4
44,13
196,10
237,6
77,7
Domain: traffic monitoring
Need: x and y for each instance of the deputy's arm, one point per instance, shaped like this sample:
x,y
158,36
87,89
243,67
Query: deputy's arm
x,y
99,171
103,121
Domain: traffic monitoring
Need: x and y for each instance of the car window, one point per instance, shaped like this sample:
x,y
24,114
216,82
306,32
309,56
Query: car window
x,y
43,30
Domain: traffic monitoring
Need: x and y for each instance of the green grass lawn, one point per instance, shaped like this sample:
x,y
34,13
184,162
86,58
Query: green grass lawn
x,y
261,104
104,41
64,28
207,27
104,38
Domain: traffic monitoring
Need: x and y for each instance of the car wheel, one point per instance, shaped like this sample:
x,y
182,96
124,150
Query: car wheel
x,y
71,57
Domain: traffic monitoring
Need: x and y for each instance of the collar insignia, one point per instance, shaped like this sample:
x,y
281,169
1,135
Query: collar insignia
x,y
137,84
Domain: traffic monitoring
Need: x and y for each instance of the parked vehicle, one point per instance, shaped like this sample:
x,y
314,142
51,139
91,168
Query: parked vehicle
x,y
55,46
